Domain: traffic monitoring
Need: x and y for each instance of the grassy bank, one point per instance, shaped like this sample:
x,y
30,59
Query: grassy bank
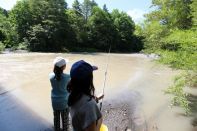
x,y
186,62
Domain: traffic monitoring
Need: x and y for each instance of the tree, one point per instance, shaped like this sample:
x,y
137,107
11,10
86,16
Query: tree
x,y
8,35
154,33
125,27
4,12
138,38
50,16
173,32
47,25
2,25
77,7
173,13
194,14
76,21
87,8
93,4
37,38
42,24
101,37
105,8
164,20
20,17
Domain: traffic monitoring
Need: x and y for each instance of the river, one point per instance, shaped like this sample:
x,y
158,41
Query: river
x,y
134,92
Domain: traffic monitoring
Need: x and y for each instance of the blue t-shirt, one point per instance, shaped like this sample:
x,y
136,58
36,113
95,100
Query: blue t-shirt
x,y
59,93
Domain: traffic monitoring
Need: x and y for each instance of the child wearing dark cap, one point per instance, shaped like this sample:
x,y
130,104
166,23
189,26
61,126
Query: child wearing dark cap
x,y
59,93
84,111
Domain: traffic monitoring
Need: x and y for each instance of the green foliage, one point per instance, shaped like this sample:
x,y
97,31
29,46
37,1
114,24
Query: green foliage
x,y
77,7
184,57
177,47
7,33
138,38
48,25
125,27
20,17
100,36
77,23
191,78
87,8
52,21
89,23
153,33
170,31
22,46
2,27
174,14
186,40
180,97
105,8
2,47
42,23
37,37
194,14
4,12
180,59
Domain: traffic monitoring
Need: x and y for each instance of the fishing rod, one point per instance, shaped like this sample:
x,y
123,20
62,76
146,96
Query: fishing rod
x,y
105,77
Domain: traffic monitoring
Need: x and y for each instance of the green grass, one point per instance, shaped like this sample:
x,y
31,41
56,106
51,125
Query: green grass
x,y
179,96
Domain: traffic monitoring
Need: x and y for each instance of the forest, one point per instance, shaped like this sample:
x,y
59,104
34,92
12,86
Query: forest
x,y
50,26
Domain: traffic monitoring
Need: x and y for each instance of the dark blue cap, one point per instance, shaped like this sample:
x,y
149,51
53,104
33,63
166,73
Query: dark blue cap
x,y
81,69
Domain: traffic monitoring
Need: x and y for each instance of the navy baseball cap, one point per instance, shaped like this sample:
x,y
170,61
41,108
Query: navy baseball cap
x,y
81,69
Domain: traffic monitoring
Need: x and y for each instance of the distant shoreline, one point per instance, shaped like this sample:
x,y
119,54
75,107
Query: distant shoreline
x,y
141,55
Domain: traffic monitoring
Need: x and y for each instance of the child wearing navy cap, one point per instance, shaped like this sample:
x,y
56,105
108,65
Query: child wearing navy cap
x,y
84,111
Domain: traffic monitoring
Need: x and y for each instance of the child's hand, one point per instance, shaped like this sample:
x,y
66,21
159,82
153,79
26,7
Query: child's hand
x,y
99,97
95,67
69,87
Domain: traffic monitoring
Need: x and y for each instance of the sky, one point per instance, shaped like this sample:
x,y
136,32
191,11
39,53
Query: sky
x,y
135,8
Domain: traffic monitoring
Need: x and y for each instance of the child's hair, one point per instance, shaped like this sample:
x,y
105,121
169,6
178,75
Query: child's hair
x,y
78,87
58,71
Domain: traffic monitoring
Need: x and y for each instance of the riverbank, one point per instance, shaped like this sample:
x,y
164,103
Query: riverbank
x,y
134,94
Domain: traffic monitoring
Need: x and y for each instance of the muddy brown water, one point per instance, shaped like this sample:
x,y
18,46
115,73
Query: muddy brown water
x,y
134,84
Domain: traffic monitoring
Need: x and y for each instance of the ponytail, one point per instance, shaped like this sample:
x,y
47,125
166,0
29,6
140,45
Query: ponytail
x,y
58,71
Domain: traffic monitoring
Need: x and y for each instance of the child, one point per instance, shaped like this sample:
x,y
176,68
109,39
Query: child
x,y
59,94
85,113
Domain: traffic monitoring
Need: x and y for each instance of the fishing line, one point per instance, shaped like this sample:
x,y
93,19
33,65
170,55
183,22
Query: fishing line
x,y
105,77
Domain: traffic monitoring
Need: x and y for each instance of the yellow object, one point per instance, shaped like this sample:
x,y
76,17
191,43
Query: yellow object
x,y
103,128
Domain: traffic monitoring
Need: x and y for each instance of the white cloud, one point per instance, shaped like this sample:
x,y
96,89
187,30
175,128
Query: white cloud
x,y
7,4
137,15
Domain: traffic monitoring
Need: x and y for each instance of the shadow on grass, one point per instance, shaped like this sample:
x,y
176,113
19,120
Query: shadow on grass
x,y
193,106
